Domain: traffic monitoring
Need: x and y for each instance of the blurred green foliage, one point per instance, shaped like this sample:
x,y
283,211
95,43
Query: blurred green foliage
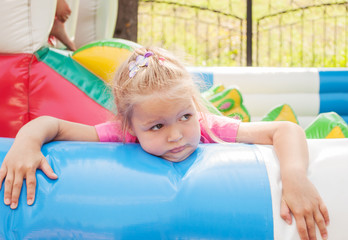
x,y
213,33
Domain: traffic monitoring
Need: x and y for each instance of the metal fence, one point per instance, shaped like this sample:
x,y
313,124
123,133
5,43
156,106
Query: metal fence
x,y
314,35
208,35
213,33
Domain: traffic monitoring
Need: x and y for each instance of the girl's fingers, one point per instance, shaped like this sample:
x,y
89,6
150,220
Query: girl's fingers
x,y
324,212
31,186
3,172
319,219
16,190
14,181
310,227
306,224
8,188
302,228
285,212
46,168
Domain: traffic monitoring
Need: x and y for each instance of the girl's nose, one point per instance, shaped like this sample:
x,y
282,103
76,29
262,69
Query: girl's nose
x,y
174,135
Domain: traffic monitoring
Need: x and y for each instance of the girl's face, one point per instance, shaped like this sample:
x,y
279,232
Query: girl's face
x,y
166,128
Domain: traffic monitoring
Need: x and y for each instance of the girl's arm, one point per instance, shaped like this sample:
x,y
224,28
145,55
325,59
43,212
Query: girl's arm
x,y
299,196
25,156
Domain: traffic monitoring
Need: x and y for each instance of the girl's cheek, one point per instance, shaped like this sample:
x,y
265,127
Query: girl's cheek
x,y
150,145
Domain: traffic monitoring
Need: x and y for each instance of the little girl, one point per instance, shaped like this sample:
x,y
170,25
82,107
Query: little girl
x,y
159,107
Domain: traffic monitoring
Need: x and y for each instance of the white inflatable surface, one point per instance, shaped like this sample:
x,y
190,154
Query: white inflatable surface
x,y
274,80
328,168
25,25
264,88
96,21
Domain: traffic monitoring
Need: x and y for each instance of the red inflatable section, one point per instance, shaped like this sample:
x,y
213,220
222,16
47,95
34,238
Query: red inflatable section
x,y
29,88
14,78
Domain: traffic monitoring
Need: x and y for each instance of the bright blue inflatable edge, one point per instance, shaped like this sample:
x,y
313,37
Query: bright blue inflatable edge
x,y
333,89
334,92
337,102
333,81
117,191
204,80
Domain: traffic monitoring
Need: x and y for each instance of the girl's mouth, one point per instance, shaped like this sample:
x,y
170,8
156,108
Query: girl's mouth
x,y
178,149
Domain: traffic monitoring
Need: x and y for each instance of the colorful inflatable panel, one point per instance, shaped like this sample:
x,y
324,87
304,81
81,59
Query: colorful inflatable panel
x,y
309,91
36,80
222,191
49,83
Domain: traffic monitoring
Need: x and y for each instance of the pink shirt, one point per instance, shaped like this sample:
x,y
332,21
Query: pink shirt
x,y
224,128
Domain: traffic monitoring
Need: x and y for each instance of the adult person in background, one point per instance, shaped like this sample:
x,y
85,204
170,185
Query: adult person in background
x,y
63,12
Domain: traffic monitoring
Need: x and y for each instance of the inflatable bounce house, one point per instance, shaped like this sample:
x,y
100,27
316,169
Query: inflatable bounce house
x,y
117,191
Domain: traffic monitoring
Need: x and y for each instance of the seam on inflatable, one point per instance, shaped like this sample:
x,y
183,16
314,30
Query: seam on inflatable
x,y
11,221
263,163
30,28
31,45
28,85
91,87
95,18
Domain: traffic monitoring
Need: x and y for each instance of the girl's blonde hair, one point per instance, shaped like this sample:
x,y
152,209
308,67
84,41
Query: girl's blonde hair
x,y
164,76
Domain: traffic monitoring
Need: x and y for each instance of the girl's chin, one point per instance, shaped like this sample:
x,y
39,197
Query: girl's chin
x,y
178,157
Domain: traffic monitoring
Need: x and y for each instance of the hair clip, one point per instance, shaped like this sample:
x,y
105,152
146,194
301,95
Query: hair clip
x,y
140,61
161,60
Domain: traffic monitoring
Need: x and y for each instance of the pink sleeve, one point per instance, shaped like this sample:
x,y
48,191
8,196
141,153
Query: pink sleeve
x,y
111,132
225,128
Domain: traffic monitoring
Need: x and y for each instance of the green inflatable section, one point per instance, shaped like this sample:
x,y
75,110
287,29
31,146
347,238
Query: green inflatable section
x,y
211,108
61,62
281,113
228,102
327,125
114,43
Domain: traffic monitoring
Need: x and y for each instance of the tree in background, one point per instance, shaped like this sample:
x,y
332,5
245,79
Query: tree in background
x,y
127,20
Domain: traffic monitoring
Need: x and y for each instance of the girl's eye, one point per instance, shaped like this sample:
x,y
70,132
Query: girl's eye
x,y
186,117
156,127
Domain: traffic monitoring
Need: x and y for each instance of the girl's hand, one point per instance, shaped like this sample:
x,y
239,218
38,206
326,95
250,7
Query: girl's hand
x,y
25,156
21,163
301,199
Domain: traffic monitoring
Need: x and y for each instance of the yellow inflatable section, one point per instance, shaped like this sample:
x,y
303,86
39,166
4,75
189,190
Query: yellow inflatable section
x,y
228,101
327,125
281,113
103,57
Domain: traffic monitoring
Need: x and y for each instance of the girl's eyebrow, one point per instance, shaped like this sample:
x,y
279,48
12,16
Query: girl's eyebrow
x,y
151,122
187,108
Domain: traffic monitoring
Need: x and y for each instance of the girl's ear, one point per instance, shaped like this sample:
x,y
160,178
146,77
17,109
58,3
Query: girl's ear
x,y
127,125
131,131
